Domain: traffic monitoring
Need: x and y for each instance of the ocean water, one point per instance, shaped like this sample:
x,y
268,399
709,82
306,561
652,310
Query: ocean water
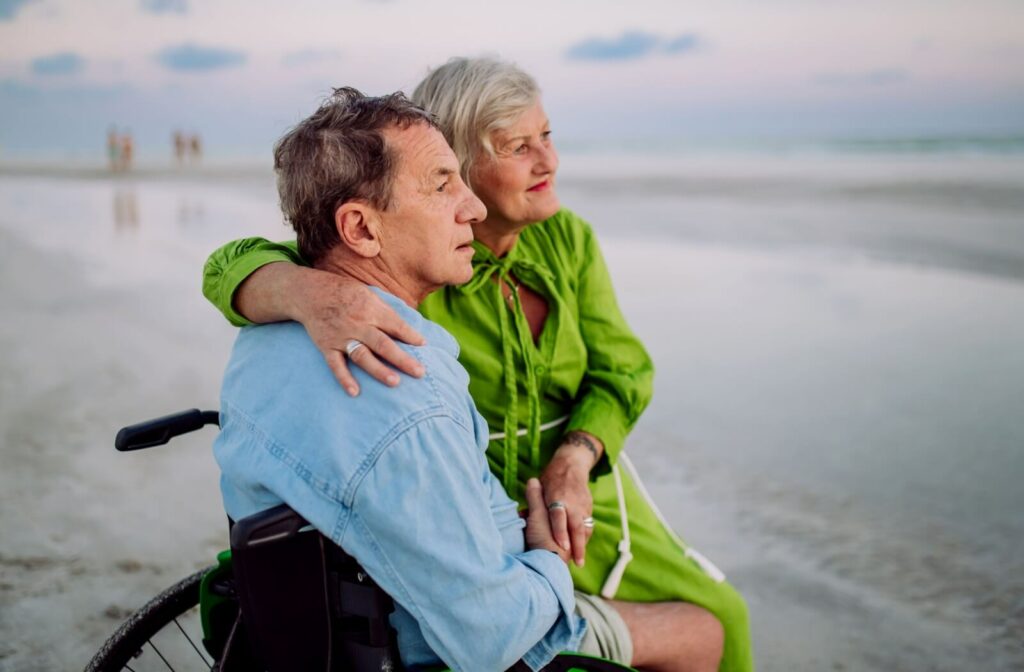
x,y
838,336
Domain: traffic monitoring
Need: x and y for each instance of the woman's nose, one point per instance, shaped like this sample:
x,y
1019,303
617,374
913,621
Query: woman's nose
x,y
547,159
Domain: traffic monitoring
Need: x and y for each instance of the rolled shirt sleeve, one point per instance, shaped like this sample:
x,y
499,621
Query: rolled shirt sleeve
x,y
619,380
229,265
430,525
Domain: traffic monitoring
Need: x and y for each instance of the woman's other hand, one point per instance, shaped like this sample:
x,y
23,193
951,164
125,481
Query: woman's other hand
x,y
334,310
565,482
538,527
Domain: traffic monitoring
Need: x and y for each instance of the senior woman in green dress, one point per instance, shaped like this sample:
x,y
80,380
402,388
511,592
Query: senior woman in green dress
x,y
554,368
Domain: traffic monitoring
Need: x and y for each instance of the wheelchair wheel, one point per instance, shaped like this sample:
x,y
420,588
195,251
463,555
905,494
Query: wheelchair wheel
x,y
164,634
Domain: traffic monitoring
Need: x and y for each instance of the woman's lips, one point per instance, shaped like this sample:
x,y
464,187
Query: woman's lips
x,y
540,187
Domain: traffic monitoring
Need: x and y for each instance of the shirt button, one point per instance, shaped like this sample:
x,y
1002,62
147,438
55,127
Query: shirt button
x,y
539,368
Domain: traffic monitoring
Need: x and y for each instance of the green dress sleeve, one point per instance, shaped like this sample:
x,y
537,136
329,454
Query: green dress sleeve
x,y
231,264
619,378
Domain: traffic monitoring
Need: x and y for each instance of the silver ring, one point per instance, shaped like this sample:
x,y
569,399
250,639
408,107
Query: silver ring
x,y
556,505
352,346
588,522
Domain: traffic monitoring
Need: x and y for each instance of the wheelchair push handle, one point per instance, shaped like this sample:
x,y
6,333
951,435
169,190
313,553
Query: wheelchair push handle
x,y
161,430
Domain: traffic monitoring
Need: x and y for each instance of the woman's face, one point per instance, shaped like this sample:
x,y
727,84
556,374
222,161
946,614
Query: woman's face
x,y
518,184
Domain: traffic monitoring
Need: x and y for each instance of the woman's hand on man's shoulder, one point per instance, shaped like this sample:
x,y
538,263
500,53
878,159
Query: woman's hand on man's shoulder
x,y
340,312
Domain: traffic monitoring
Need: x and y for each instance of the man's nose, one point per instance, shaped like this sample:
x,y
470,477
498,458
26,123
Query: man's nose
x,y
472,210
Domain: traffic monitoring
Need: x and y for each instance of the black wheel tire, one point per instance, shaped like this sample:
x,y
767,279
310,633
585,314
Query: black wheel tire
x,y
123,645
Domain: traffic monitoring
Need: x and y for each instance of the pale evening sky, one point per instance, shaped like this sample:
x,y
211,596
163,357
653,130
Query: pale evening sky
x,y
241,71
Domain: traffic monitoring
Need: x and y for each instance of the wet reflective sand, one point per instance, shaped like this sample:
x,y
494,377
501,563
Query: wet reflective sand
x,y
837,417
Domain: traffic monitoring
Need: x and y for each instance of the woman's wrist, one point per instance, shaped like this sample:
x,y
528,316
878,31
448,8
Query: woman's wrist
x,y
314,294
583,448
301,291
269,293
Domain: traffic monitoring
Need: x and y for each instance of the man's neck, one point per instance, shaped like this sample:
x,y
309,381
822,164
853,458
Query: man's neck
x,y
498,236
372,272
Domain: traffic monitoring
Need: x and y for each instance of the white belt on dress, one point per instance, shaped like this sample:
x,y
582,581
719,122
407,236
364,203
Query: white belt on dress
x,y
523,431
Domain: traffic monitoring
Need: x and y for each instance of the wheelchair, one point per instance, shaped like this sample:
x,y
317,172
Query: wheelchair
x,y
283,598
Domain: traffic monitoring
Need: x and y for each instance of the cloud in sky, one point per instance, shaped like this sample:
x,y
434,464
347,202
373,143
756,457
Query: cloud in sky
x,y
194,58
631,45
682,43
64,63
879,77
716,63
165,6
310,57
10,8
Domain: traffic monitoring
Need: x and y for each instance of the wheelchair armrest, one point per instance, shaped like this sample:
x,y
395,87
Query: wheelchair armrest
x,y
161,430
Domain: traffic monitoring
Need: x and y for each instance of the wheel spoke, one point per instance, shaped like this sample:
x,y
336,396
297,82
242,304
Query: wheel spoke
x,y
198,652
151,623
150,642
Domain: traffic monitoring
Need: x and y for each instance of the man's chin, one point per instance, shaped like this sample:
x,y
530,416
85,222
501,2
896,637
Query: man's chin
x,y
464,276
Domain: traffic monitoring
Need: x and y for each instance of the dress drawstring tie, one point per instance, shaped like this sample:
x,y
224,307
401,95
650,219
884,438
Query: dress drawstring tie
x,y
517,330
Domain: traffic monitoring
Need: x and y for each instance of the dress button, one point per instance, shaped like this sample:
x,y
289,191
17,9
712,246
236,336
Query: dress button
x,y
539,368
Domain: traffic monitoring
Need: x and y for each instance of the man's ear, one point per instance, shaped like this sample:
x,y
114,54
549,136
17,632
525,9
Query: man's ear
x,y
358,226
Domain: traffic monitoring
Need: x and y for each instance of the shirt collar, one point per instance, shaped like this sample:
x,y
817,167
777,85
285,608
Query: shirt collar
x,y
435,334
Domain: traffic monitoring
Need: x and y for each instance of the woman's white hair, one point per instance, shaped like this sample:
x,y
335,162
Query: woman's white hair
x,y
473,97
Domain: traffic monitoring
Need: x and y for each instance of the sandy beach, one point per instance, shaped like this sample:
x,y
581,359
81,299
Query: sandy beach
x,y
836,419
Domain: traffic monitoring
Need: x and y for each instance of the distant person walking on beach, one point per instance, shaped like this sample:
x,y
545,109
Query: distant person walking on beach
x,y
113,149
180,147
127,151
120,148
196,147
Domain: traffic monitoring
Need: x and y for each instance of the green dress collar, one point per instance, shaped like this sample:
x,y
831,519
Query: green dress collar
x,y
486,265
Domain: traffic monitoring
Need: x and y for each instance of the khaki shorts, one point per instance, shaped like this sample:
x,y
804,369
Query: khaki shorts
x,y
607,635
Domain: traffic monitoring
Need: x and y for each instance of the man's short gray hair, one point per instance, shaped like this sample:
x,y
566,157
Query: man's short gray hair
x,y
473,97
336,155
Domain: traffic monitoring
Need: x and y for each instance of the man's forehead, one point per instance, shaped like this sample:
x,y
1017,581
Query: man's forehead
x,y
421,145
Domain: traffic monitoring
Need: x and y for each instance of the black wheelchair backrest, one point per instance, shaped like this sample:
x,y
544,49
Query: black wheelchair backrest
x,y
305,603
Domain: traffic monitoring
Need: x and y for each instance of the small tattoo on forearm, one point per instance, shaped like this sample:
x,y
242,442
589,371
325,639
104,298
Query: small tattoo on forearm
x,y
580,439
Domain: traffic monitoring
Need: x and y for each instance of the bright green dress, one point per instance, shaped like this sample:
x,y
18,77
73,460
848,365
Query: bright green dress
x,y
587,371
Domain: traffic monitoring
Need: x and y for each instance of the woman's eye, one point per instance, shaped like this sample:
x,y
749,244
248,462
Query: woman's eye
x,y
443,186
521,149
546,136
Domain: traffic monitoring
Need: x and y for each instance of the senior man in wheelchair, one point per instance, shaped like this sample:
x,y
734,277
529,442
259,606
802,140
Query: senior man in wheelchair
x,y
398,477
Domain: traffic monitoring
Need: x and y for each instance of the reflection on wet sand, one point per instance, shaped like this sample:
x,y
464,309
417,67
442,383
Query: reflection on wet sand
x,y
126,209
190,211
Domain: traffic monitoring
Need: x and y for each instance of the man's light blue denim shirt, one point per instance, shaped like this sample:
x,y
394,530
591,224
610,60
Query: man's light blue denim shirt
x,y
398,478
